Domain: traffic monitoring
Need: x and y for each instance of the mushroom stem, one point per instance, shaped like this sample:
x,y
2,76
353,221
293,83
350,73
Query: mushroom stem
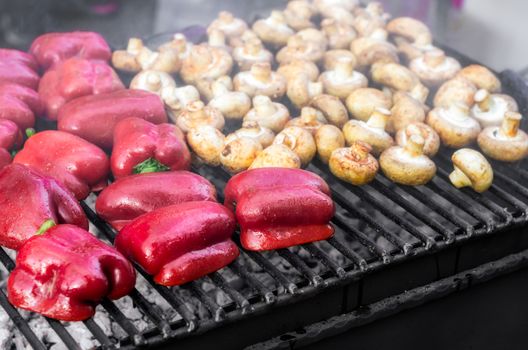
x,y
180,42
434,58
459,179
415,145
261,71
277,16
344,66
226,16
359,151
134,45
219,88
253,47
201,56
286,140
315,89
379,118
153,81
483,99
264,106
217,38
510,124
196,109
419,92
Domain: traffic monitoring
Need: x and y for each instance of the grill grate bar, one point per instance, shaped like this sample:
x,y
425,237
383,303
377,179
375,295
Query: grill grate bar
x,y
255,284
325,260
124,322
216,311
512,183
63,334
6,260
98,333
235,295
300,266
349,253
152,311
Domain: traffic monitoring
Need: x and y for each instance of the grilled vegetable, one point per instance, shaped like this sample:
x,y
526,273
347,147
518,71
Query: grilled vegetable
x,y
19,104
507,142
354,164
18,67
471,169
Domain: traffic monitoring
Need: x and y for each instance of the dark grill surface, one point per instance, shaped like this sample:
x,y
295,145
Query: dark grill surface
x,y
377,226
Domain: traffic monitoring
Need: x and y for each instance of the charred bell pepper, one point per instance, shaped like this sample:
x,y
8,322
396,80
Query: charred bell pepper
x,y
180,243
29,201
75,77
18,67
278,208
143,147
19,104
52,48
65,272
94,117
79,165
132,196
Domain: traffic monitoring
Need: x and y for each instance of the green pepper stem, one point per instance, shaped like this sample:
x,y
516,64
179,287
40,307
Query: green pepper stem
x,y
150,165
46,225
30,132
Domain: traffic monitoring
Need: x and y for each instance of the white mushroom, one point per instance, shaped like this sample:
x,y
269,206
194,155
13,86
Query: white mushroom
x,y
232,104
206,63
276,155
343,79
239,153
250,53
231,26
299,141
260,80
207,142
252,130
196,114
434,67
489,108
454,125
472,169
267,113
273,30
152,81
327,139
371,132
177,99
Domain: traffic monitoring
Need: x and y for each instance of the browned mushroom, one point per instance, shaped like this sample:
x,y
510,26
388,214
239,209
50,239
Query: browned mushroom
x,y
298,14
179,44
231,26
126,60
370,50
456,90
308,44
239,153
489,108
434,67
260,80
431,138
481,77
410,30
339,34
301,90
250,53
205,63
405,110
332,56
354,164
207,142
327,139
276,155
372,132
232,104
454,125
343,79
273,30
267,113
361,103
399,78
333,109
297,67
253,130
471,169
299,141
196,114
139,57
310,119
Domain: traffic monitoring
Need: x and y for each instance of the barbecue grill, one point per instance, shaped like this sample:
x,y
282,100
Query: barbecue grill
x,y
395,248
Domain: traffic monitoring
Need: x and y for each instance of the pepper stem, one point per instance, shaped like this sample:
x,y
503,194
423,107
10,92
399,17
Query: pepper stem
x,y
30,132
46,225
150,165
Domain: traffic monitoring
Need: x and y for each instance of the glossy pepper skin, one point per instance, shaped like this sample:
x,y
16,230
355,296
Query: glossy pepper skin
x,y
180,243
132,196
75,77
278,208
52,48
28,199
94,117
79,165
10,138
137,140
65,272
19,104
18,67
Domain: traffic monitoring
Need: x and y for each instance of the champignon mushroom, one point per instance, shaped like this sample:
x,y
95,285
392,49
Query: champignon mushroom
x,y
276,155
152,81
207,142
300,141
370,19
297,67
361,103
232,104
354,164
399,78
408,165
431,138
339,34
410,30
231,26
298,14
327,139
370,50
454,125
250,53
346,5
196,114
489,108
338,14
260,80
343,79
310,119
332,56
179,44
372,132
269,114
246,37
177,99
409,51
253,130
472,169
126,60
333,109
405,110
217,38
273,30
434,67
205,63
164,61
506,143
308,44
239,153
456,90
301,90
481,77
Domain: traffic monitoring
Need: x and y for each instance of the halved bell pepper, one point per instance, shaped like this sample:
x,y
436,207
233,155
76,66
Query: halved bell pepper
x,y
75,77
180,243
52,48
10,135
141,147
278,208
19,104
29,200
94,117
18,67
5,158
132,196
79,165
65,272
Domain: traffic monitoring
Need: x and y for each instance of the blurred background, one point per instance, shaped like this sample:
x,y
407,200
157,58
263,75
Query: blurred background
x,y
490,31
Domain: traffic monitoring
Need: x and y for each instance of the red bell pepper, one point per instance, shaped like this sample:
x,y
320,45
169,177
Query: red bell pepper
x,y
132,196
143,147
10,135
180,243
278,208
19,104
95,117
65,272
5,158
52,48
75,77
29,200
79,165
18,67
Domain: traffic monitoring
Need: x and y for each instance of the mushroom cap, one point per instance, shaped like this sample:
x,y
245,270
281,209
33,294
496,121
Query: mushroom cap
x,y
196,114
333,109
261,80
232,104
153,81
273,30
300,49
332,56
125,61
362,102
374,135
177,99
228,24
433,67
328,138
207,142
395,76
299,140
179,44
410,29
301,90
408,166
431,138
410,51
343,79
405,110
239,153
250,53
164,61
370,50
481,77
475,168
337,13
347,5
454,125
276,155
354,164
253,130
506,143
493,107
269,114
298,14
310,119
339,34
297,67
205,62
456,90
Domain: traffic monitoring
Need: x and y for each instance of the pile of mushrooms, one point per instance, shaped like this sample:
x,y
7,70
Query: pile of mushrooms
x,y
332,80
